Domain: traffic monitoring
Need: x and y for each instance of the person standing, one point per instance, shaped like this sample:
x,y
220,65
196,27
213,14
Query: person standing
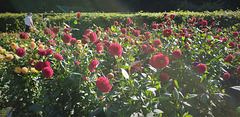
x,y
28,22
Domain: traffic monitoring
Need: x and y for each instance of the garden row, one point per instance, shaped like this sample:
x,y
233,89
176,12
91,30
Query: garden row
x,y
15,22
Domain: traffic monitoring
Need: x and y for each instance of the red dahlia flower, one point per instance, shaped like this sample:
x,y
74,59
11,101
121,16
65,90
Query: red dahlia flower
x,y
129,21
93,64
20,52
67,38
167,32
159,61
228,59
47,72
51,43
164,77
115,49
48,52
55,30
235,34
47,31
41,52
40,65
78,15
238,70
155,26
93,37
201,68
176,54
204,23
123,30
66,30
23,35
115,23
232,45
226,76
156,43
58,56
73,41
103,84
147,35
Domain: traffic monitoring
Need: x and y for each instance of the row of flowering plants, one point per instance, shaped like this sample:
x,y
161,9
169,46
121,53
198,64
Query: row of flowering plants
x,y
158,69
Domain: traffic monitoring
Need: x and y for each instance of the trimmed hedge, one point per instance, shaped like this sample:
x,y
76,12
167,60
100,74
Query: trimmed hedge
x,y
15,22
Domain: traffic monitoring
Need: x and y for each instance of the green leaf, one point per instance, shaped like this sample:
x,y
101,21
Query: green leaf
x,y
176,83
124,73
238,109
75,22
192,95
175,94
95,112
35,107
158,111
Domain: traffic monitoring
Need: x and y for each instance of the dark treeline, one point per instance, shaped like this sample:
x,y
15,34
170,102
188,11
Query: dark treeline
x,y
19,6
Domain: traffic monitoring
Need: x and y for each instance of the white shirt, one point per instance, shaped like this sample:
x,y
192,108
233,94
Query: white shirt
x,y
28,21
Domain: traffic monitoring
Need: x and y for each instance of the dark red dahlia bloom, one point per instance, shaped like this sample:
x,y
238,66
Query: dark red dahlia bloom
x,y
232,45
55,30
67,38
41,52
165,15
93,64
201,68
58,56
32,62
85,39
48,52
172,16
228,59
99,48
144,48
151,50
115,49
136,33
84,78
200,20
144,25
204,30
87,32
47,72
155,26
123,30
129,21
78,15
235,34
115,23
176,54
226,76
186,46
160,25
77,62
23,35
106,43
103,84
147,35
167,32
159,61
164,77
73,41
20,52
238,69
204,23
157,43
93,37
47,31
40,65
66,30
51,43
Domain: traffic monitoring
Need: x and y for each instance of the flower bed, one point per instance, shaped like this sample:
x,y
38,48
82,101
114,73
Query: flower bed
x,y
158,68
